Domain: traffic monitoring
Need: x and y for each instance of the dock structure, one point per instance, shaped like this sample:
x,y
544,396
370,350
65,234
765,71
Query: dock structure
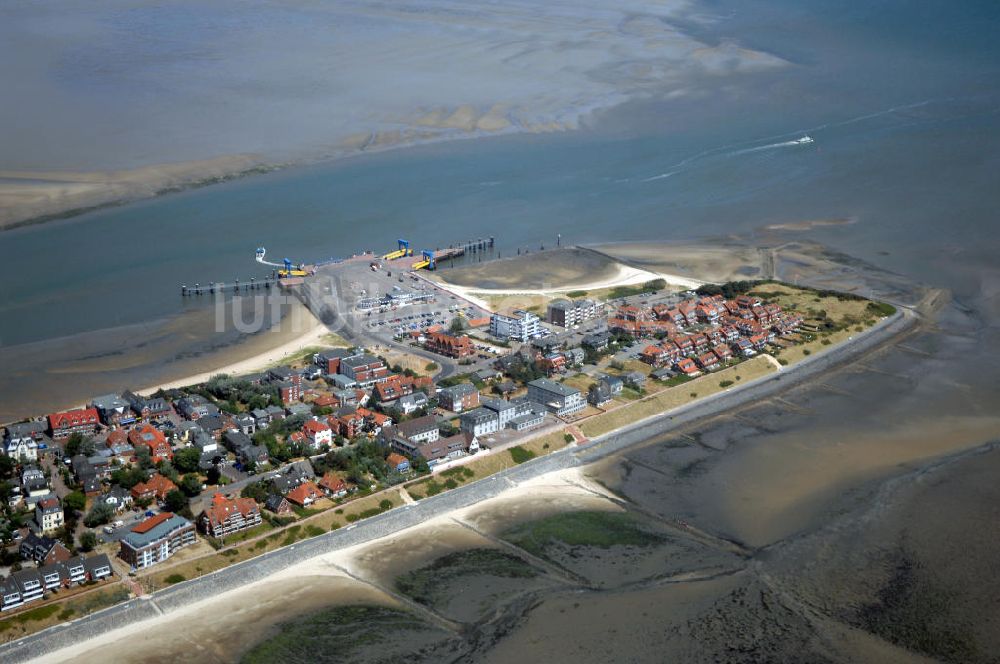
x,y
234,287
469,246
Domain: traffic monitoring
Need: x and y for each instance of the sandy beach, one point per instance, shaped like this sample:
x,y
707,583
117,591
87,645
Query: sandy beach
x,y
620,275
316,334
343,576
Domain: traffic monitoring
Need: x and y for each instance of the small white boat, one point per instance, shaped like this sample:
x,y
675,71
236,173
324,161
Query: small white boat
x,y
805,140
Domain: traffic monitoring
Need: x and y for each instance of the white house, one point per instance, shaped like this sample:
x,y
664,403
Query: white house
x,y
22,448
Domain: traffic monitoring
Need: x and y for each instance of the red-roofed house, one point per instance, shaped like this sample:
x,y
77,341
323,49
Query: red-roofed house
x,y
333,486
449,346
687,366
723,352
149,436
318,433
304,494
226,516
708,361
398,462
654,355
82,420
156,487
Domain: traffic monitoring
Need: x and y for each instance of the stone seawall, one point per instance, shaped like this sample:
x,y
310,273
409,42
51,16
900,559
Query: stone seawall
x,y
391,522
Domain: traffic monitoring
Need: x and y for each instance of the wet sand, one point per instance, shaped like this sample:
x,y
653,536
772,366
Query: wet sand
x,y
350,576
35,196
552,273
63,373
238,621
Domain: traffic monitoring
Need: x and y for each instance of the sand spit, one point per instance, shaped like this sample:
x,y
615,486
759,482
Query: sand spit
x,y
545,271
405,74
26,196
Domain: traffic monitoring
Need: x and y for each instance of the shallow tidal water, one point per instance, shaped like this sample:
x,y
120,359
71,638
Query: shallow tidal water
x,y
851,519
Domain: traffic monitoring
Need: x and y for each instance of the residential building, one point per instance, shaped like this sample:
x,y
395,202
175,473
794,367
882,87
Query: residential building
x,y
364,369
459,398
43,550
519,326
97,567
598,340
687,366
148,436
567,313
117,498
505,410
449,345
229,515
113,410
156,539
195,407
615,383
411,403
557,398
419,430
48,515
598,395
34,483
528,419
82,421
398,462
155,488
147,407
333,486
480,422
20,448
329,360
317,433
278,504
446,449
304,494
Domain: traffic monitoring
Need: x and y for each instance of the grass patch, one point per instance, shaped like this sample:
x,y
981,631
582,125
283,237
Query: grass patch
x,y
428,584
520,454
669,399
348,631
314,531
583,528
175,578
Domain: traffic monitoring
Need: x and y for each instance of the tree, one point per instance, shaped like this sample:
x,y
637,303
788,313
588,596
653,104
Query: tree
x,y
186,460
74,501
142,454
6,467
257,490
88,540
191,485
77,443
168,470
101,514
175,501
127,477
213,475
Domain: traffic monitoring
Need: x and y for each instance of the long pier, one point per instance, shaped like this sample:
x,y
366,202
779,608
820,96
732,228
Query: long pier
x,y
234,287
469,246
